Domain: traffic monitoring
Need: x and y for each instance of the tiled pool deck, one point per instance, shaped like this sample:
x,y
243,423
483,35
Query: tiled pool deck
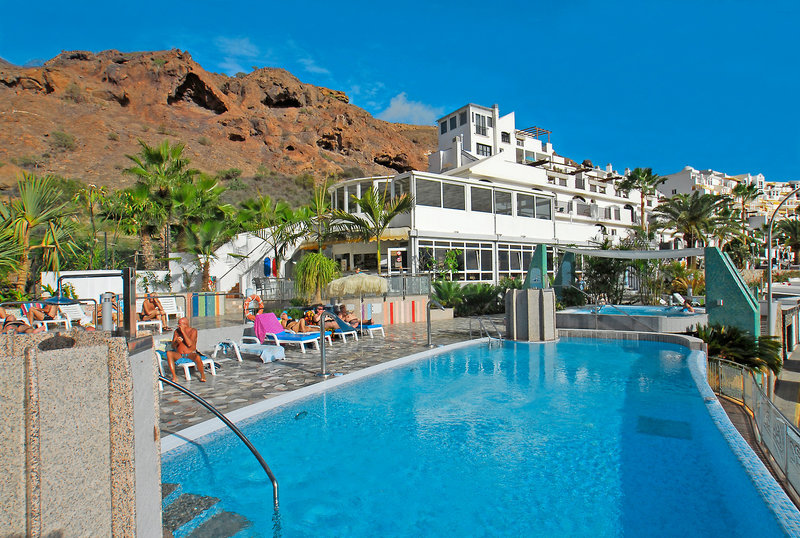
x,y
238,384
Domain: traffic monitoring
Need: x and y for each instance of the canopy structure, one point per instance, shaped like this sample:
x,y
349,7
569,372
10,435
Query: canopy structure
x,y
637,254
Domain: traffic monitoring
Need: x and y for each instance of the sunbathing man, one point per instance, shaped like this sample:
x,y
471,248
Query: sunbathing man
x,y
318,309
152,309
348,317
296,326
13,325
184,345
46,313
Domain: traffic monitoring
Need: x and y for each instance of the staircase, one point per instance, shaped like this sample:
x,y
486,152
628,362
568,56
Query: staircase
x,y
186,515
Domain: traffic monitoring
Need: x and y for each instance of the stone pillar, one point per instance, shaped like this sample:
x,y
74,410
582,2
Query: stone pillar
x,y
79,435
531,315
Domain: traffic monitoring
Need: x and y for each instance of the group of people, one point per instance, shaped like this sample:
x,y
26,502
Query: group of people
x,y
312,320
13,325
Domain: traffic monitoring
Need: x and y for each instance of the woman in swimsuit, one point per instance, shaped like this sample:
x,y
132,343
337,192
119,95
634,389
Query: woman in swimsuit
x,y
296,326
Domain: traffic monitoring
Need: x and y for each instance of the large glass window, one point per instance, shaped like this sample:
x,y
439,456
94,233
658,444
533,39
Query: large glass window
x,y
481,199
480,124
453,124
364,186
453,196
340,196
462,118
502,202
443,127
513,260
543,208
429,193
525,205
483,150
474,260
401,186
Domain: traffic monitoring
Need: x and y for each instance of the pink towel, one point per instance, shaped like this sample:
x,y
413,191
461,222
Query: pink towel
x,y
267,323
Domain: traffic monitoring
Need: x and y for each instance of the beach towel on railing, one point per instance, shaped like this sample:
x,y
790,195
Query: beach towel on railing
x,y
267,323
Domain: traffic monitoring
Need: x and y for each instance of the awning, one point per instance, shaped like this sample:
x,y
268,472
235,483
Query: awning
x,y
637,254
400,233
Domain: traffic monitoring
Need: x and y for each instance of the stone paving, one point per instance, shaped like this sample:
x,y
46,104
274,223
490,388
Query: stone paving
x,y
238,384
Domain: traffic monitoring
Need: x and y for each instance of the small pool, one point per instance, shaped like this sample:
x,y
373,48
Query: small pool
x,y
575,438
660,319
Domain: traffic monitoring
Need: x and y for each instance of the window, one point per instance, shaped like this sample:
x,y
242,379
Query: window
x,y
502,202
674,191
480,124
484,150
462,118
401,186
429,193
453,124
520,142
525,205
543,208
340,196
443,126
364,187
505,137
453,196
481,199
488,121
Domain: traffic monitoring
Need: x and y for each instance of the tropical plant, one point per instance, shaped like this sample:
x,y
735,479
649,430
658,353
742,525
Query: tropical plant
x,y
375,216
724,225
139,214
452,257
694,281
447,292
39,209
203,240
273,221
734,344
312,273
605,276
746,194
10,249
789,230
315,220
94,198
646,182
479,298
692,216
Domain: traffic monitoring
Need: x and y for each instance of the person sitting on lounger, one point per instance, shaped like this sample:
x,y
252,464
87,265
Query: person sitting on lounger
x,y
13,325
348,317
152,309
184,345
295,326
46,313
330,324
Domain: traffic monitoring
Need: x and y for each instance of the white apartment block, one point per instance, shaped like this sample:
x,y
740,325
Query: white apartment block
x,y
494,193
689,180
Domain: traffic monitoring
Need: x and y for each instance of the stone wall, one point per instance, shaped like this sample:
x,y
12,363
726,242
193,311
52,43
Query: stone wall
x,y
71,436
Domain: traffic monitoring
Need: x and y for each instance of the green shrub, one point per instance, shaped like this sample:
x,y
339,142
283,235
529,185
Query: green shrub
x,y
162,130
159,62
734,344
236,184
113,136
203,141
448,293
62,141
304,180
29,162
74,93
479,299
230,173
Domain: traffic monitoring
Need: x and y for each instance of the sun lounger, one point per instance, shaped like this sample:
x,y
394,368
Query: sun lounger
x,y
249,344
185,363
25,308
345,329
370,329
170,305
267,327
75,314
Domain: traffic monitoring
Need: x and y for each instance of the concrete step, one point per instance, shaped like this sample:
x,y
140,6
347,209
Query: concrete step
x,y
221,524
187,512
197,516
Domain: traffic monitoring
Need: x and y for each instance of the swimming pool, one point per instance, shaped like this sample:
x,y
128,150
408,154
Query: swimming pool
x,y
575,438
660,319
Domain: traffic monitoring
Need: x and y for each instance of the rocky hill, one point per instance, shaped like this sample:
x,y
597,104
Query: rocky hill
x,y
80,113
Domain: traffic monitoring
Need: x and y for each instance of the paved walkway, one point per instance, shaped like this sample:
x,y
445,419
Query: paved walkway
x,y
787,389
239,384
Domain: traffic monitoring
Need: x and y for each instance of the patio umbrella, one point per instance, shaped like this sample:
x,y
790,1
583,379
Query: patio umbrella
x,y
358,284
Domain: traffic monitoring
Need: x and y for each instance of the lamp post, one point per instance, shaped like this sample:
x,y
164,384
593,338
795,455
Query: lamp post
x,y
769,259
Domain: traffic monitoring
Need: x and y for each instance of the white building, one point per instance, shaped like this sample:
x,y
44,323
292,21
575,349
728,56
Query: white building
x,y
706,181
492,192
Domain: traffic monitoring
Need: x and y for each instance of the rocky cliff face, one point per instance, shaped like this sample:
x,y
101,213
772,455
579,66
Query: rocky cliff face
x,y
80,113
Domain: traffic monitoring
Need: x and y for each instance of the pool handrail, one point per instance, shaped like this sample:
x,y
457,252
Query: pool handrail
x,y
233,428
482,328
323,362
437,304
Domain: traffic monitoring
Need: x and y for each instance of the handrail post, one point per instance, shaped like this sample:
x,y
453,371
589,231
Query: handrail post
x,y
235,430
438,305
324,365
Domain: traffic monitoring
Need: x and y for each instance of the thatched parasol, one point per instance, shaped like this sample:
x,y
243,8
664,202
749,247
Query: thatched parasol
x,y
358,284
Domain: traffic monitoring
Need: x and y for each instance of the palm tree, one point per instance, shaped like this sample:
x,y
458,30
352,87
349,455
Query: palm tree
x,y
692,216
273,221
38,207
746,194
203,240
197,201
94,198
312,273
646,182
139,214
10,249
315,219
724,226
377,211
162,169
790,230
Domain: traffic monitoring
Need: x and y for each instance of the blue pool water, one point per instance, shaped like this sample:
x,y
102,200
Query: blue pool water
x,y
575,438
635,310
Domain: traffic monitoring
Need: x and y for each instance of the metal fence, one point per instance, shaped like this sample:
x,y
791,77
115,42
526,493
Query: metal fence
x,y
275,289
409,285
774,431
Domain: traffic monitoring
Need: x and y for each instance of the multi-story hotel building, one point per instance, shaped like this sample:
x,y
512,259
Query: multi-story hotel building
x,y
492,193
689,180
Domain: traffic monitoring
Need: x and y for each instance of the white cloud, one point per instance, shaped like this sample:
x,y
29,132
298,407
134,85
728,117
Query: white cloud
x,y
402,110
240,47
311,66
231,66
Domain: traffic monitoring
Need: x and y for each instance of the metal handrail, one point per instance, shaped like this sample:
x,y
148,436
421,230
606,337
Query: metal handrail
x,y
235,430
483,329
324,364
437,304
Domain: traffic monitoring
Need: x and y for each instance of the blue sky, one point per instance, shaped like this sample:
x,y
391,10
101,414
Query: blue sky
x,y
706,83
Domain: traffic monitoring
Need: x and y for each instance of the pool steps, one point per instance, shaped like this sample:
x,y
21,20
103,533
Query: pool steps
x,y
187,515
